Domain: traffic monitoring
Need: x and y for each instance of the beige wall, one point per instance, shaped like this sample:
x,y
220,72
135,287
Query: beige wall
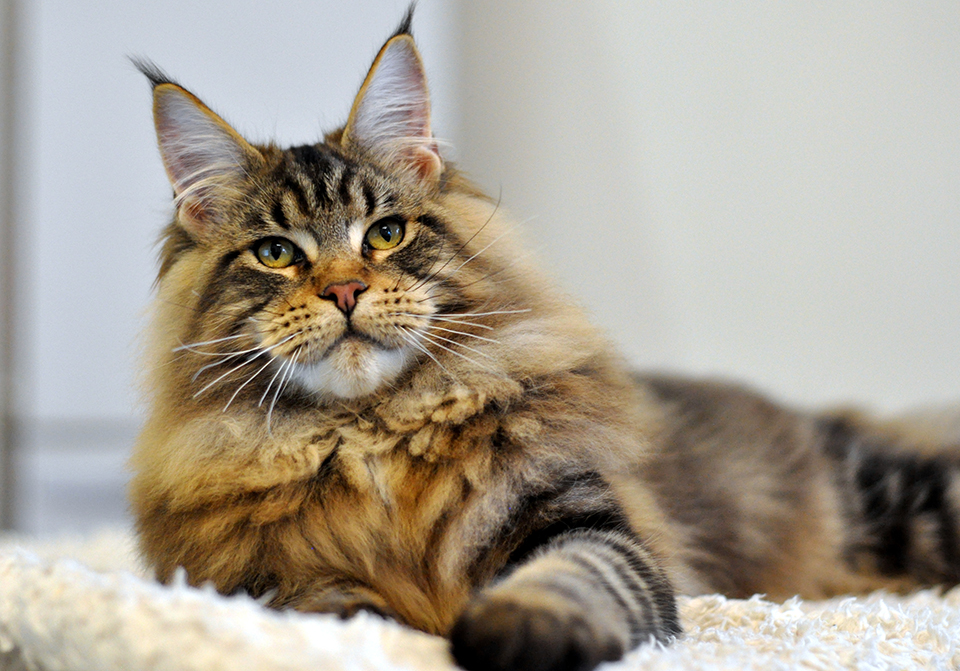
x,y
764,191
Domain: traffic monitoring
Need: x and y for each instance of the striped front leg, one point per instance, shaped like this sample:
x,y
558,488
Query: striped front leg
x,y
586,597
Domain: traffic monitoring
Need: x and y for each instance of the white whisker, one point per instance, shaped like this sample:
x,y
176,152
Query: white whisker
x,y
493,242
459,354
484,314
249,380
469,335
523,257
260,353
411,337
207,342
270,384
190,348
431,275
290,364
444,319
210,384
434,337
226,358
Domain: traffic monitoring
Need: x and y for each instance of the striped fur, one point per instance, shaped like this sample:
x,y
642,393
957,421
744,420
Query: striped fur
x,y
428,430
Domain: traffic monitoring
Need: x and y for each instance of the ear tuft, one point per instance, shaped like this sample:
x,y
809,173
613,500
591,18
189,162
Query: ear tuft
x,y
406,23
391,114
206,160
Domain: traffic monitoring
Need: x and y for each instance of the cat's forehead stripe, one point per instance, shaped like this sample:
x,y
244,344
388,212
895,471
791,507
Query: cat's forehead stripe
x,y
319,177
300,191
279,218
318,167
369,196
346,181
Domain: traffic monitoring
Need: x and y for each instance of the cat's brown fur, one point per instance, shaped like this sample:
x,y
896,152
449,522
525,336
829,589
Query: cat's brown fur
x,y
502,480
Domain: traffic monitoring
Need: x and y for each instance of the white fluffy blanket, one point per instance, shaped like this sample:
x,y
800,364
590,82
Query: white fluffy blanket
x,y
83,604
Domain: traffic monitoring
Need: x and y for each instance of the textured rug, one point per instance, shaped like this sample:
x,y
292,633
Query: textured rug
x,y
84,603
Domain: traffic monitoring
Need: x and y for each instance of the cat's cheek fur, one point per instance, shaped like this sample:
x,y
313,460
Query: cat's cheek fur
x,y
352,369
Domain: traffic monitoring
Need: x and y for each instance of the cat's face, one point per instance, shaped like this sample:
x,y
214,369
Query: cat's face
x,y
327,269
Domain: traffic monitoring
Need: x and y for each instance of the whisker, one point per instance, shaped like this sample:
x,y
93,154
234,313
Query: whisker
x,y
249,380
495,241
290,364
270,384
227,357
462,247
433,337
514,262
230,355
208,342
484,314
469,335
190,348
234,369
411,337
460,354
530,253
444,319
243,363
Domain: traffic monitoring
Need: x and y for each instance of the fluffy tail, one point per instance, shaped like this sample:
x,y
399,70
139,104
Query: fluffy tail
x,y
901,494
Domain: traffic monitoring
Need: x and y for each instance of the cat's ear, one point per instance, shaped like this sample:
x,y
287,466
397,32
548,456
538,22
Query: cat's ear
x,y
391,115
206,159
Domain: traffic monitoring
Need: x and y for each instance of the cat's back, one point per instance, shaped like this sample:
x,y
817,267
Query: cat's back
x,y
748,491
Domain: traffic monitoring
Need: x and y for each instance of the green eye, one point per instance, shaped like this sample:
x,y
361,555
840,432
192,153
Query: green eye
x,y
276,252
385,234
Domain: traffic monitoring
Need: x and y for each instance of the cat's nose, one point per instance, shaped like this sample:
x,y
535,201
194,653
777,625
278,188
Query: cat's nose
x,y
344,294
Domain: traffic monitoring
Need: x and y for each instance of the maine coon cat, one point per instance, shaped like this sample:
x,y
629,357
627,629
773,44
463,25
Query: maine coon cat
x,y
363,397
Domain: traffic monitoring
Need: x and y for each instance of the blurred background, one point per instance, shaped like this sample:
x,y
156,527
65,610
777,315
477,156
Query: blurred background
x,y
768,192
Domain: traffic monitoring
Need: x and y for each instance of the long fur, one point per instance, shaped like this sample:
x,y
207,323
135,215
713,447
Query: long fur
x,y
461,450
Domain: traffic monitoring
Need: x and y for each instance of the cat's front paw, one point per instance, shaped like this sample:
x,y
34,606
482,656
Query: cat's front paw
x,y
501,633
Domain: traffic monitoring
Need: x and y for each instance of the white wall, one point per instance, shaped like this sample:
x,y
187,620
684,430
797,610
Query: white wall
x,y
765,191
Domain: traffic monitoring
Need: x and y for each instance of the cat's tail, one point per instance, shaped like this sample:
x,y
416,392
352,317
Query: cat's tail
x,y
899,483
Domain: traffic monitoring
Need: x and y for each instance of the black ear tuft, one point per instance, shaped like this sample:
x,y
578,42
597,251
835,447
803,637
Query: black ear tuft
x,y
405,27
152,71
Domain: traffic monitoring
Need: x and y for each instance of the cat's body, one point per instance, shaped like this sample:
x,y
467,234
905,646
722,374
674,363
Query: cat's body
x,y
364,398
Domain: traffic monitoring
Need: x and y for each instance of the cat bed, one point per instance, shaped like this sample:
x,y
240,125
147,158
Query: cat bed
x,y
84,603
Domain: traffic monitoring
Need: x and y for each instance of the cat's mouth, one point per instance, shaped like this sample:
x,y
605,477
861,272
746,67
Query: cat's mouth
x,y
353,365
353,335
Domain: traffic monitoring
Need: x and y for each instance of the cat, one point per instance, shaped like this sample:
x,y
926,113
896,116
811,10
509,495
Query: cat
x,y
363,396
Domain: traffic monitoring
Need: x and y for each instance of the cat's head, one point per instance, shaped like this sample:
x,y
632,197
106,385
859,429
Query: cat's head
x,y
328,269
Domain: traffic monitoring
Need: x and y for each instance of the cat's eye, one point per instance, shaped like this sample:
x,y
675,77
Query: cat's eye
x,y
276,252
384,234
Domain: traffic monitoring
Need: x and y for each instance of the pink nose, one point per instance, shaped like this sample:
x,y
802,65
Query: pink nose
x,y
345,294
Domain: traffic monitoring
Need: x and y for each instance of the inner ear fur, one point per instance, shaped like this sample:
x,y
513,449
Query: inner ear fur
x,y
390,117
205,158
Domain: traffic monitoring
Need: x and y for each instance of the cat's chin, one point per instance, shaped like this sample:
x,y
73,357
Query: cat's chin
x,y
351,369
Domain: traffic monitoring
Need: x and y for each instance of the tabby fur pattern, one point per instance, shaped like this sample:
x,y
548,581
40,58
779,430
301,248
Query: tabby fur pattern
x,y
364,397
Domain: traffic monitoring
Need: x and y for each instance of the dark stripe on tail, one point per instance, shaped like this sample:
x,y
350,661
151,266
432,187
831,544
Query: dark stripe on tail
x,y
901,504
